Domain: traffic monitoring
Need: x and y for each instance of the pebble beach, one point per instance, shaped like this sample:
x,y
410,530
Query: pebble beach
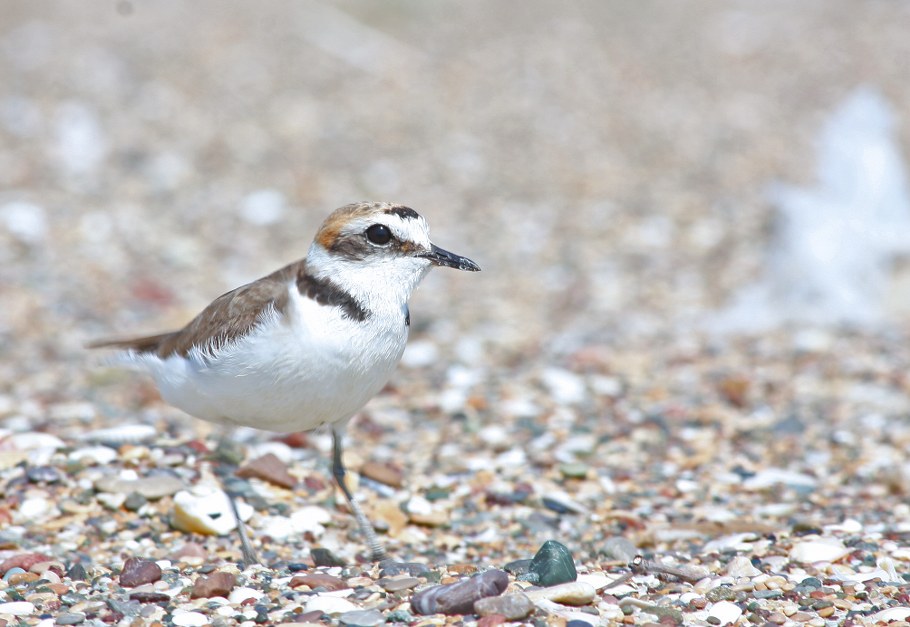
x,y
577,435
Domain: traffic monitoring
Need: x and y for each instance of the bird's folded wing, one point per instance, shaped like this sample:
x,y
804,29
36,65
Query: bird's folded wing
x,y
227,318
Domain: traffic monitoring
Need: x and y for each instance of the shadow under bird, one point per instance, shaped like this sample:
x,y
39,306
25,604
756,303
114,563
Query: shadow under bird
x,y
307,345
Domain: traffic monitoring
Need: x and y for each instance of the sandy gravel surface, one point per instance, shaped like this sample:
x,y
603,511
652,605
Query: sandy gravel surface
x,y
607,164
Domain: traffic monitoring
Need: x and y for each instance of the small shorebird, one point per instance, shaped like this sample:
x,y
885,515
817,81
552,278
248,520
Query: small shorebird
x,y
307,345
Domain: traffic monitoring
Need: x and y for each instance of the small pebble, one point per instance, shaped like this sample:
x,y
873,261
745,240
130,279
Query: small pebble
x,y
329,604
619,549
362,618
459,597
725,612
570,593
383,473
268,468
398,584
390,568
17,608
69,618
152,488
137,571
511,606
184,618
134,501
149,597
15,570
318,580
324,557
218,584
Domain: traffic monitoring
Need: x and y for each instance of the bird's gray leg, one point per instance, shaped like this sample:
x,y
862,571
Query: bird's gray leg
x,y
246,546
338,471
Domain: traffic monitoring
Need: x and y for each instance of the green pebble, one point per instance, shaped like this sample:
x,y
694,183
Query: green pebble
x,y
574,471
553,564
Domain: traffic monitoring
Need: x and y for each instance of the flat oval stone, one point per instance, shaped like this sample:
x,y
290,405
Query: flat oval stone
x,y
459,597
152,488
570,593
362,618
512,606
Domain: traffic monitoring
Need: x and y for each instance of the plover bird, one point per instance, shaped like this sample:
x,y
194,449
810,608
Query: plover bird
x,y
309,344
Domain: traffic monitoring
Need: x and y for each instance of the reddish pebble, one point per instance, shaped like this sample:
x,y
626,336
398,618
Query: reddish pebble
x,y
491,621
137,571
24,561
218,584
297,439
319,580
190,549
314,484
268,468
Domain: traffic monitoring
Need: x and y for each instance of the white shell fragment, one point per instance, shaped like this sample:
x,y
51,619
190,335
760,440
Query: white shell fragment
x,y
207,510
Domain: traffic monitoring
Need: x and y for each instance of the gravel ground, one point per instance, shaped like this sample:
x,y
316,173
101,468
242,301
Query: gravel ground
x,y
607,166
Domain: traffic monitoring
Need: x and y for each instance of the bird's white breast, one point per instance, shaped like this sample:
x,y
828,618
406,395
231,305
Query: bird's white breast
x,y
293,372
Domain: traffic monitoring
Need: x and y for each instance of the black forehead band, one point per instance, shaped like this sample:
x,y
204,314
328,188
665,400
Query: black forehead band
x,y
405,213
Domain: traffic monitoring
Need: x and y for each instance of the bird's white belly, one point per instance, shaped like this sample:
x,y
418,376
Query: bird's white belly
x,y
288,375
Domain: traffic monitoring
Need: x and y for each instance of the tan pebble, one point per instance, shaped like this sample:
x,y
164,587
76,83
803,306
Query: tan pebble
x,y
572,593
761,585
22,578
431,519
462,569
801,617
842,604
789,610
777,618
825,612
390,513
383,473
817,622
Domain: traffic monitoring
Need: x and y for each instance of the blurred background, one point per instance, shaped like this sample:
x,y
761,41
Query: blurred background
x,y
618,169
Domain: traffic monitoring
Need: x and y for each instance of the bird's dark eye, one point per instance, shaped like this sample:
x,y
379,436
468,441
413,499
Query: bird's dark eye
x,y
379,234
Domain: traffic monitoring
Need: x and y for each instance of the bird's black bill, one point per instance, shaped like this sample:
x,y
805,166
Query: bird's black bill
x,y
442,257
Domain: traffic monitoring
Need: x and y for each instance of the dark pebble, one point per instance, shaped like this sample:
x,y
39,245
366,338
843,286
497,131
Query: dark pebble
x,y
399,616
137,571
390,568
578,623
767,594
552,565
459,597
324,557
43,474
150,597
555,505
811,582
77,572
518,567
125,608
296,567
